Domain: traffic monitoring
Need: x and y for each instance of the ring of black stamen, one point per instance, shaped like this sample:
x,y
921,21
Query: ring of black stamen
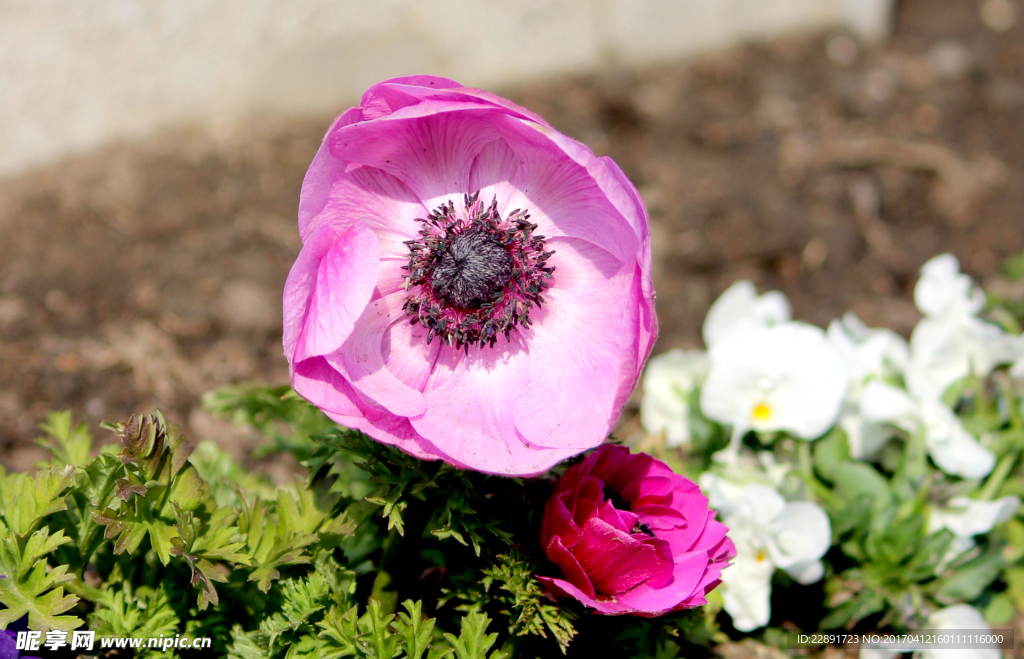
x,y
474,275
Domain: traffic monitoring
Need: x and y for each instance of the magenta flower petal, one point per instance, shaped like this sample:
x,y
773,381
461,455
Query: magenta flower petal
x,y
316,381
616,561
569,566
473,286
328,288
662,555
361,360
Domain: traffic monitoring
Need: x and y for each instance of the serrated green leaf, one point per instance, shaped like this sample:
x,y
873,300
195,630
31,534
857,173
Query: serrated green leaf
x,y
145,612
474,641
414,630
342,633
243,646
25,501
134,521
382,642
67,444
30,587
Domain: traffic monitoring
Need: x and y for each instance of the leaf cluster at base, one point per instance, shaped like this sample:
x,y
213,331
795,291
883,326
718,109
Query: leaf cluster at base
x,y
374,554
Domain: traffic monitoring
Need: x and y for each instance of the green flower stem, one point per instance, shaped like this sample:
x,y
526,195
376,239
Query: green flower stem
x,y
915,465
999,475
806,464
818,488
77,586
1012,405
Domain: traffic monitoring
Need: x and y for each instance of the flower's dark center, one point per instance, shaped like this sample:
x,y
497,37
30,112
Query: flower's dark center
x,y
615,498
640,527
622,504
474,276
473,270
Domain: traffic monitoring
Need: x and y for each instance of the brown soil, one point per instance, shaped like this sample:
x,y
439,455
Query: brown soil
x,y
148,273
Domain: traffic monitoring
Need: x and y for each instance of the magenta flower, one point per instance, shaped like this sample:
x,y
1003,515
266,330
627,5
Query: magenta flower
x,y
473,285
632,537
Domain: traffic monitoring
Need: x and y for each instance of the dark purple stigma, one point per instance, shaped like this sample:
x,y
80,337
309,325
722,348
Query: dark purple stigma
x,y
473,275
474,269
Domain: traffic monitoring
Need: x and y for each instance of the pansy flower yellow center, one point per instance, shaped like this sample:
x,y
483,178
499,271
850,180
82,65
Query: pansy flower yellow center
x,y
761,412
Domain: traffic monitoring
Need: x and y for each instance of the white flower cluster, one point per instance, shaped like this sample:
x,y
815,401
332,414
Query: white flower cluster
x,y
767,373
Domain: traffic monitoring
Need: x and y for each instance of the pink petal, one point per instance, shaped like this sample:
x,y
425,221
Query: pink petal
x,y
567,197
361,360
569,566
321,175
388,96
470,423
711,578
625,197
691,576
327,289
317,382
366,194
493,171
712,536
574,348
686,575
430,147
642,324
321,385
661,518
615,561
607,604
390,429
407,355
586,497
392,95
558,521
621,520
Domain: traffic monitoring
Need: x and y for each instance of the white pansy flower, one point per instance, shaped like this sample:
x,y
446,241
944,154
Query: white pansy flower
x,y
952,618
865,438
770,533
947,349
1017,370
951,342
942,290
784,377
743,469
668,382
967,518
951,446
866,353
740,306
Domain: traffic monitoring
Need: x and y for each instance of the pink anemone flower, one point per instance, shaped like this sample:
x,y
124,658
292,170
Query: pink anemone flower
x,y
473,285
632,537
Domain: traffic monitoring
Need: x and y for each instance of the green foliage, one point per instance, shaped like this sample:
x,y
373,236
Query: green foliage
x,y
147,546
69,445
284,418
510,586
144,612
376,554
30,585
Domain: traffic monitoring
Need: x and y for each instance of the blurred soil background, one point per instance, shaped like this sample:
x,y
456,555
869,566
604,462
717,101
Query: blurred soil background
x,y
146,274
